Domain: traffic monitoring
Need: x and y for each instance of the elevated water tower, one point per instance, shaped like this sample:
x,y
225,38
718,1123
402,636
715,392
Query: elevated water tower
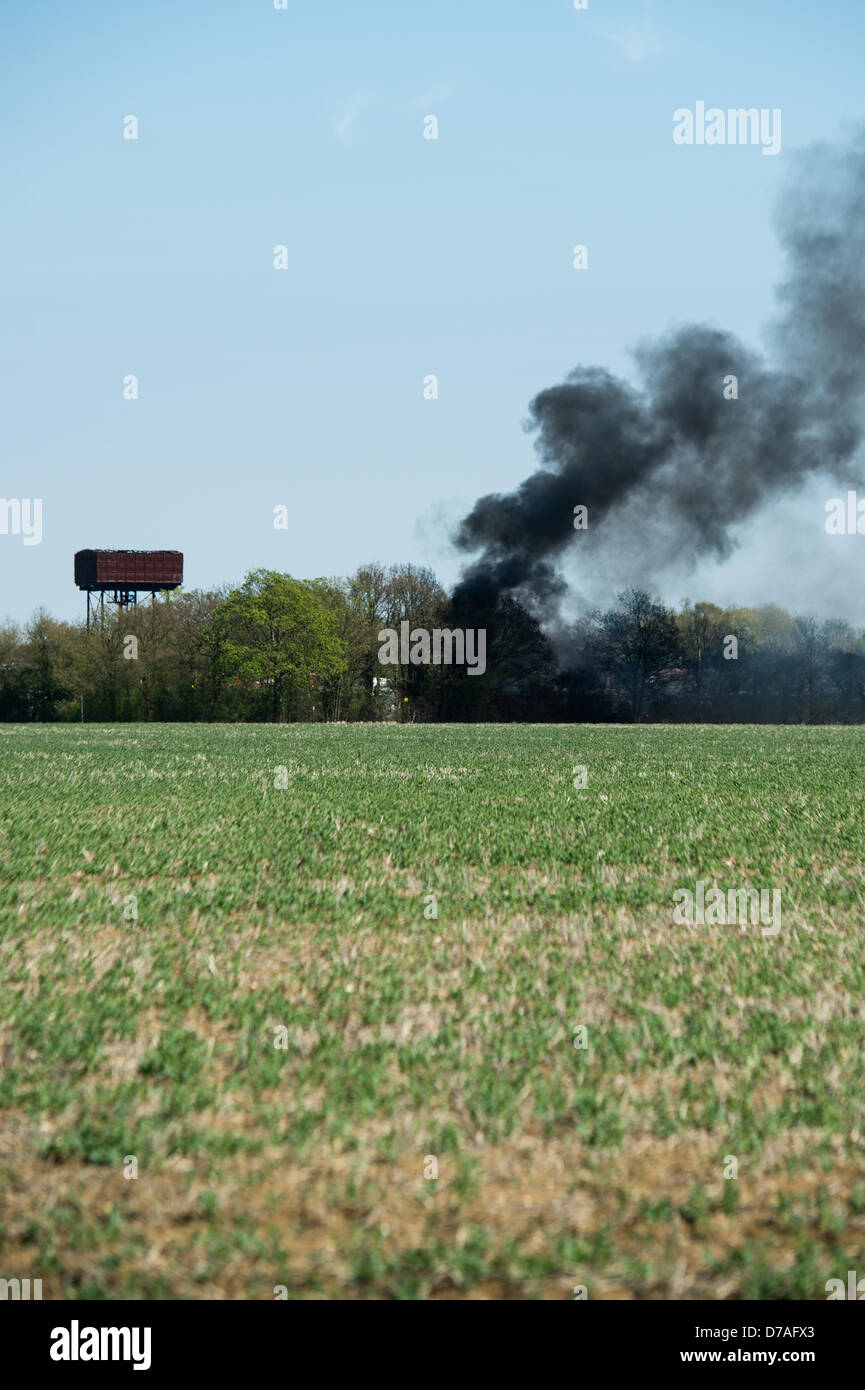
x,y
119,576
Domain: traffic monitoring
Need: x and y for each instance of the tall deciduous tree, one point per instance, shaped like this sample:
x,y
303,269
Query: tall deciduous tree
x,y
634,642
278,632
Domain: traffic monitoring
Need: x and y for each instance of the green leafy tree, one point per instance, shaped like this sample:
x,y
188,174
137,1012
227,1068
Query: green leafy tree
x,y
43,667
276,636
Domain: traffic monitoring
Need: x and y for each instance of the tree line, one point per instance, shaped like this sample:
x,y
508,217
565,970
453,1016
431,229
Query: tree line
x,y
279,649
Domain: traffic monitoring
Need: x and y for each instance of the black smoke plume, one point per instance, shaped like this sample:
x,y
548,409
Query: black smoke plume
x,y
695,464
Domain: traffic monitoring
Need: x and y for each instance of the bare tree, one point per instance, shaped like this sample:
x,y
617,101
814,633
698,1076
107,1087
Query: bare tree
x,y
634,642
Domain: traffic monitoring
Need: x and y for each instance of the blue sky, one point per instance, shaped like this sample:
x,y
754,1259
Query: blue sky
x,y
407,256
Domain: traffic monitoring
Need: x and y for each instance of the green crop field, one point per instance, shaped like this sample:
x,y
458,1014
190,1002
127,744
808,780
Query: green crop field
x,y
259,985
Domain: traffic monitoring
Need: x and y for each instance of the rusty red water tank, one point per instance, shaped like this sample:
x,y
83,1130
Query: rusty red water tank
x,y
128,569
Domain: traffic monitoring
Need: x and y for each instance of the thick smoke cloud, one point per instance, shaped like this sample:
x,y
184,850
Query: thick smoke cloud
x,y
694,463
